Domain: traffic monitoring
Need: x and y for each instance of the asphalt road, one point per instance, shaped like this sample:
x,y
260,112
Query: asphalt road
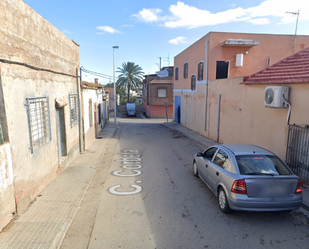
x,y
145,196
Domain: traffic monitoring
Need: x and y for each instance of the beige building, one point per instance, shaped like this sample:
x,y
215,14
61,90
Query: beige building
x,y
94,110
39,94
210,100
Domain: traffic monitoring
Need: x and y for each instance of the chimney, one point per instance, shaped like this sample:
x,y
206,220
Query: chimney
x,y
96,80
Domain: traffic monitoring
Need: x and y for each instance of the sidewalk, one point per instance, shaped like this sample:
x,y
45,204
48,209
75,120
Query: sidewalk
x,y
205,142
46,221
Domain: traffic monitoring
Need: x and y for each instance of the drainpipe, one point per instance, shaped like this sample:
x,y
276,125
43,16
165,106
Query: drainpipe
x,y
218,124
80,128
206,87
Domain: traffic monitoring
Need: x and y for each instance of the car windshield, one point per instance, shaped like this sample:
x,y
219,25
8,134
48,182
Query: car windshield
x,y
261,165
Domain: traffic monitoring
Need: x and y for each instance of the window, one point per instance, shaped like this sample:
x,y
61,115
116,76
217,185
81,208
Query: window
x,y
185,70
193,82
200,70
162,93
221,159
261,165
222,69
73,109
38,122
176,73
209,154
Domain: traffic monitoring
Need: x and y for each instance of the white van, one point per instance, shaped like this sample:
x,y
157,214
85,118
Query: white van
x,y
131,109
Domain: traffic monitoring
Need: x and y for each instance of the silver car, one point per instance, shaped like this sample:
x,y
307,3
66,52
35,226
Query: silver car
x,y
248,178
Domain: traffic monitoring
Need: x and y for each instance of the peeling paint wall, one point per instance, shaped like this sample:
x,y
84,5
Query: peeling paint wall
x,y
7,200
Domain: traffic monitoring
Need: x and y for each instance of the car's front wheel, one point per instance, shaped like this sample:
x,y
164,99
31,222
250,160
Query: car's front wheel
x,y
223,203
195,170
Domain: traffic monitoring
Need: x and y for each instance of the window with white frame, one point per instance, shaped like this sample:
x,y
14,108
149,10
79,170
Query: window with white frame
x,y
38,122
185,70
73,100
162,93
193,82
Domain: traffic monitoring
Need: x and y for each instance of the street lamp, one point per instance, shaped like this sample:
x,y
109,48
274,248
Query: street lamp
x,y
115,106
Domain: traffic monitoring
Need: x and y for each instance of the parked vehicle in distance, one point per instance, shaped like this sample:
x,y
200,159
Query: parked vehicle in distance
x,y
131,109
248,178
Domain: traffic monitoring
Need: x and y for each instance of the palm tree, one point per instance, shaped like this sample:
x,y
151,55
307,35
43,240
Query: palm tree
x,y
131,76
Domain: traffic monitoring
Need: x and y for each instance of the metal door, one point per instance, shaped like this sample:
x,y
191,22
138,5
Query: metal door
x,y
62,143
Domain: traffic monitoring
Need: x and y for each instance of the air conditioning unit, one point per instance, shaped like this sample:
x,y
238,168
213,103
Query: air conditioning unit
x,y
276,96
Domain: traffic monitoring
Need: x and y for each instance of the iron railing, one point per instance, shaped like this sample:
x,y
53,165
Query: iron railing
x,y
73,109
38,122
297,154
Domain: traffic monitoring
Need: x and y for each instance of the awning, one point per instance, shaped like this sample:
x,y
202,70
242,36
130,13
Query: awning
x,y
60,102
239,43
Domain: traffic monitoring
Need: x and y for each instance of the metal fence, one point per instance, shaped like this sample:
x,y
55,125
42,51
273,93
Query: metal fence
x,y
297,154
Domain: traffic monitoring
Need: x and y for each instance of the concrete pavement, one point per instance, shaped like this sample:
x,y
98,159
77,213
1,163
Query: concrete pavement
x,y
45,223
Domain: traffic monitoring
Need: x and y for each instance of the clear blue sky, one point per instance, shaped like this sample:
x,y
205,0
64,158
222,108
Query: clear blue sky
x,y
146,30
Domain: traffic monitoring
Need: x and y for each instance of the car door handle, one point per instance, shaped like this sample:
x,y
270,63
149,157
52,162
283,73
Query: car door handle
x,y
206,165
217,173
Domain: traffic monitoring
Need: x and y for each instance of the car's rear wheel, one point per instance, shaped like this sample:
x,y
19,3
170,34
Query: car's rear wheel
x,y
195,170
223,203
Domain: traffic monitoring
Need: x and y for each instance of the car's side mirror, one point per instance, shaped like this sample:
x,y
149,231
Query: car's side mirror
x,y
199,154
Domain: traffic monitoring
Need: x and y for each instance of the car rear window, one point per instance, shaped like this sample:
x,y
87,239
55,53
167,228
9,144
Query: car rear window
x,y
261,165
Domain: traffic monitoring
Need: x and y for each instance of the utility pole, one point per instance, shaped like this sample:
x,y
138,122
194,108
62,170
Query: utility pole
x,y
297,14
160,64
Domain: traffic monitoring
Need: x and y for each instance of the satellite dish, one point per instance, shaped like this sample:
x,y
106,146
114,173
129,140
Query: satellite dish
x,y
269,96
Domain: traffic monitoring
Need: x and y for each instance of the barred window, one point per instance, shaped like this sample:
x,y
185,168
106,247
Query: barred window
x,y
176,73
73,109
200,71
38,122
193,82
185,70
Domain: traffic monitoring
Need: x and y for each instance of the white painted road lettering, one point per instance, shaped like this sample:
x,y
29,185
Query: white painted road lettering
x,y
116,173
138,189
131,161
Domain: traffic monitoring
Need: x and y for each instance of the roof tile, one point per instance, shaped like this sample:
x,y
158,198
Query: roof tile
x,y
292,69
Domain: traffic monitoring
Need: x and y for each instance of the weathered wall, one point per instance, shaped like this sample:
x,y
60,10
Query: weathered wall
x,y
7,200
243,117
27,38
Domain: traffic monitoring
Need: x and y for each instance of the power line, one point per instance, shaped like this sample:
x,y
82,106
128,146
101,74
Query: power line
x,y
96,73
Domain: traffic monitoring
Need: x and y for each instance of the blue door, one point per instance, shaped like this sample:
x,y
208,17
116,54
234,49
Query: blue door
x,y
177,108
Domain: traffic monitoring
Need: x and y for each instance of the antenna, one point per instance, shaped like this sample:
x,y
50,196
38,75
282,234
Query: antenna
x,y
167,59
297,14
